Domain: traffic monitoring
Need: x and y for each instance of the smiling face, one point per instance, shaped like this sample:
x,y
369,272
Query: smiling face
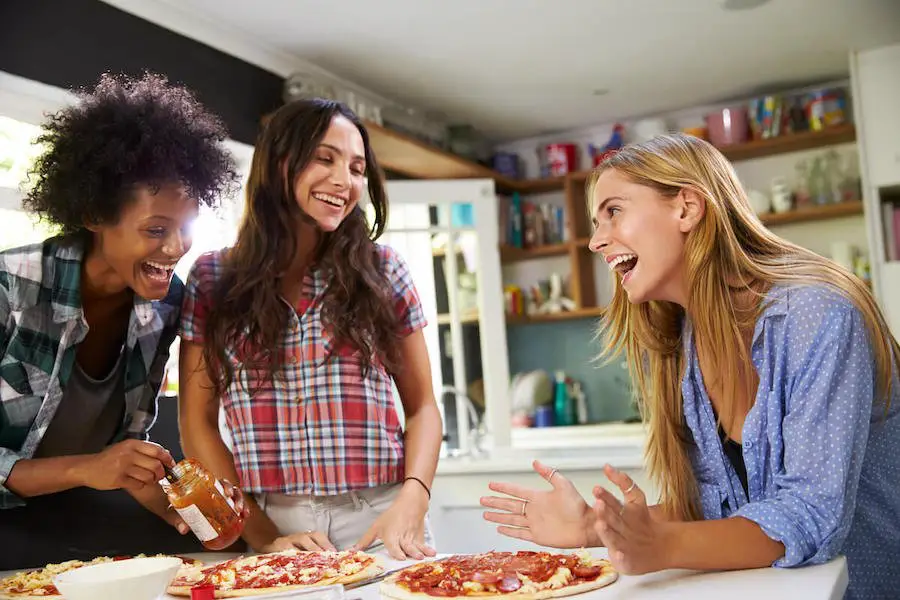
x,y
141,249
641,235
331,185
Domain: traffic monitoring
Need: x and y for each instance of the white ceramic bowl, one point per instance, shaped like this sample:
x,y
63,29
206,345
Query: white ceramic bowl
x,y
132,579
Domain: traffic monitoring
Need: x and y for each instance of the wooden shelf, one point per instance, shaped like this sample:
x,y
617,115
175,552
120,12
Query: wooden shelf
x,y
791,142
509,254
408,156
581,313
813,213
536,186
444,318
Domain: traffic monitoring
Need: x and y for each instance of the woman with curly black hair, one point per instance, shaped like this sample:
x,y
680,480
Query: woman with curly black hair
x,y
87,317
299,332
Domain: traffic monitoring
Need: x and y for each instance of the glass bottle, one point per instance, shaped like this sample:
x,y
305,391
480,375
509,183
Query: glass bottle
x,y
201,501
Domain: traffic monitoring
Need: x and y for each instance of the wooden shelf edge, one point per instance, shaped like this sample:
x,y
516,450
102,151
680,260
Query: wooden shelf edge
x,y
813,213
791,142
401,153
536,186
468,318
510,254
408,156
581,313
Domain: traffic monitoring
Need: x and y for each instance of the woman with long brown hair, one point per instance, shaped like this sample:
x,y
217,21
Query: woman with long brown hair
x,y
298,332
768,381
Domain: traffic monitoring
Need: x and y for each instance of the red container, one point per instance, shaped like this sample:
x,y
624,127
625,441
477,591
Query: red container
x,y
728,126
561,159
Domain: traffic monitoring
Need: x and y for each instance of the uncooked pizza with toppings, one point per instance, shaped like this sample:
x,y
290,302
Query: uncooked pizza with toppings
x,y
38,583
277,572
520,575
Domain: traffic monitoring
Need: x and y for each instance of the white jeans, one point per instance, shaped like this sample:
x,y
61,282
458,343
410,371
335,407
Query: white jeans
x,y
344,518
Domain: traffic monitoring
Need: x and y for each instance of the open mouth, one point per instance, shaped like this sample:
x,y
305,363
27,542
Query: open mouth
x,y
624,264
158,272
335,201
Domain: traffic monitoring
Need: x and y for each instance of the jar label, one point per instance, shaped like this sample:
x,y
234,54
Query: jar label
x,y
198,523
224,495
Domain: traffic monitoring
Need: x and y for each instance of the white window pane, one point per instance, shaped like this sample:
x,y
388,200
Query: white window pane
x,y
18,228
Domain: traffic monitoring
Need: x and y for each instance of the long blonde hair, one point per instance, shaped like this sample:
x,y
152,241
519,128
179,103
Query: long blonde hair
x,y
727,251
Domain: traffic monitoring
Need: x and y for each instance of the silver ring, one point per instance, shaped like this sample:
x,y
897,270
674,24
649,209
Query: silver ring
x,y
631,487
524,503
552,473
308,531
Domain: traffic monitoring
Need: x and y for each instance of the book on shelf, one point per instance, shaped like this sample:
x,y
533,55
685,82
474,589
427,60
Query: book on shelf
x,y
527,224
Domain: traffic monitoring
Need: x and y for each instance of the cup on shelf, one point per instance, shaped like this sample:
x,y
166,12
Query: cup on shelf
x,y
782,201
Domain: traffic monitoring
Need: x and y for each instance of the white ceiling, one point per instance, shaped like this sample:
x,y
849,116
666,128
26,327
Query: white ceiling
x,y
515,68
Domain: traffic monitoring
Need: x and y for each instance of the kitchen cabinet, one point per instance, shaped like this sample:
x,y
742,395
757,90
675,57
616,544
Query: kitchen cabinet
x,y
877,94
456,517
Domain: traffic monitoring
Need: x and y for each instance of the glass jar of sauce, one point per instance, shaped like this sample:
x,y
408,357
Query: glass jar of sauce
x,y
201,501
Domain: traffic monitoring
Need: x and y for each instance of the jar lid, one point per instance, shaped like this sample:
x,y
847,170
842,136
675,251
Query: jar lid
x,y
203,592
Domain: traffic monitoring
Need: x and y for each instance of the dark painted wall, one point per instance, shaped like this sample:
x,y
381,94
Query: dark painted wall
x,y
69,43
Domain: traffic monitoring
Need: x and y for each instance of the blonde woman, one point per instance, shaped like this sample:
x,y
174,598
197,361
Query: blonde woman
x,y
768,380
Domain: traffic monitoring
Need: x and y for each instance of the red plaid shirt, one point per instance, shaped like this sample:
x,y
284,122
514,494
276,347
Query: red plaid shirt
x,y
321,428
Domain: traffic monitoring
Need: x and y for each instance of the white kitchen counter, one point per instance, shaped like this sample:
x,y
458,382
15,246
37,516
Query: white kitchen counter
x,y
820,582
584,448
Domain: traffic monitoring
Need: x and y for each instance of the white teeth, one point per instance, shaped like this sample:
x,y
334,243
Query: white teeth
x,y
619,260
162,266
159,271
332,200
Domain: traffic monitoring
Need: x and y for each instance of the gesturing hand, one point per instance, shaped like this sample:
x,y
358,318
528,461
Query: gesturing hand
x,y
559,518
636,541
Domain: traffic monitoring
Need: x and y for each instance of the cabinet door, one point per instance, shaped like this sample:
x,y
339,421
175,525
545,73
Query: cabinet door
x,y
878,90
446,231
456,517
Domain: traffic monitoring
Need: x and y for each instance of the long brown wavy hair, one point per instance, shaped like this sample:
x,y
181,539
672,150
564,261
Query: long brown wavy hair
x,y
728,250
248,312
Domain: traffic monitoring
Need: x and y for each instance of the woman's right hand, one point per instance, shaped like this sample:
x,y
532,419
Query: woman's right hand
x,y
559,518
308,540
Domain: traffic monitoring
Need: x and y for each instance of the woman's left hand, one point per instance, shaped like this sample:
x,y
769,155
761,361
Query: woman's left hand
x,y
234,493
401,527
637,542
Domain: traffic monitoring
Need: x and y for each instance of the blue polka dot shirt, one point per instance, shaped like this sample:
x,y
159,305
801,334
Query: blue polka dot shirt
x,y
822,453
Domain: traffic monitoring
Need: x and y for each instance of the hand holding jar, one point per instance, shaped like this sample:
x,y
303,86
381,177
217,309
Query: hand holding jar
x,y
213,509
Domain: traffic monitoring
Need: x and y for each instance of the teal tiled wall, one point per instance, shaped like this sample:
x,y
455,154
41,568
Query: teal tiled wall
x,y
570,346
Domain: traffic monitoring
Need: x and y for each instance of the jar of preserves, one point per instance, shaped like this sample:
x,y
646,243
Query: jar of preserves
x,y
201,501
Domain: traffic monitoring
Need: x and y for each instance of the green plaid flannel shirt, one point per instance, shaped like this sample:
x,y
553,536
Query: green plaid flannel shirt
x,y
41,324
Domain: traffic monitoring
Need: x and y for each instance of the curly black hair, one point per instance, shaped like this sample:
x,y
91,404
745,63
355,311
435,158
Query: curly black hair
x,y
126,132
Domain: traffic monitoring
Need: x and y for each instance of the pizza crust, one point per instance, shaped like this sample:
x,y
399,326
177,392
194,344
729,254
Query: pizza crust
x,y
391,589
